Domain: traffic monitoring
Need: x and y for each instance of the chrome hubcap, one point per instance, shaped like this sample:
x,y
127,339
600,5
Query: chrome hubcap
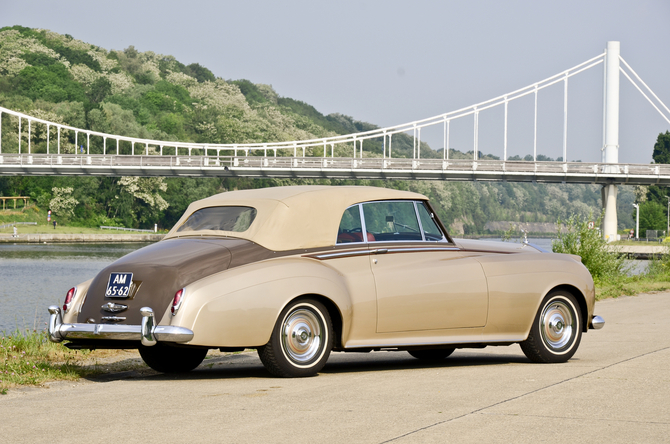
x,y
302,335
557,325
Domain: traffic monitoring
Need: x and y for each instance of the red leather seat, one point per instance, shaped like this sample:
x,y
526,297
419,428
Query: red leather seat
x,y
344,238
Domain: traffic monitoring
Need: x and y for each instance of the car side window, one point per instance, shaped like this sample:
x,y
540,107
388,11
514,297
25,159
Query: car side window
x,y
392,221
430,229
350,229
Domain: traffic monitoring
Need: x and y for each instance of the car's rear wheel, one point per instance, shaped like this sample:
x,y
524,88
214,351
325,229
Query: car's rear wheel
x,y
432,354
167,359
301,340
556,331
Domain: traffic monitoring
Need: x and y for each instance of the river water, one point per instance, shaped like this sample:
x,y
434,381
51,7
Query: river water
x,y
34,276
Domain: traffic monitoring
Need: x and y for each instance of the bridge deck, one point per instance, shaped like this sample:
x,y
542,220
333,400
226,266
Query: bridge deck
x,y
333,168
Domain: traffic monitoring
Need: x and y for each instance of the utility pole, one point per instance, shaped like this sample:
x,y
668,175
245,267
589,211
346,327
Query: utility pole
x,y
637,221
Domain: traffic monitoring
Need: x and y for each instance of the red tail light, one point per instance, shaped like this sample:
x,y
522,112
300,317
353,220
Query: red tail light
x,y
68,299
176,301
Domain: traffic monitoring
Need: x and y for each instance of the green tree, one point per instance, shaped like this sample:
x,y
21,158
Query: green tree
x,y
662,148
201,73
652,216
100,89
661,155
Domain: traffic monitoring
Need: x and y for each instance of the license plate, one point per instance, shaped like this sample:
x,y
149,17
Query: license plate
x,y
118,285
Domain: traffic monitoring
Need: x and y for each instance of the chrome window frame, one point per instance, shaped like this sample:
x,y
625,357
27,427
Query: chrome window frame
x,y
364,230
432,216
418,219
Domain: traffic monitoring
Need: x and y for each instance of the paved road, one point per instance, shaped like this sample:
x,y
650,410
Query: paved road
x,y
616,390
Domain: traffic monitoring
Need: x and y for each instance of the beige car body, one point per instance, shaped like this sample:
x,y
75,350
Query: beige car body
x,y
379,294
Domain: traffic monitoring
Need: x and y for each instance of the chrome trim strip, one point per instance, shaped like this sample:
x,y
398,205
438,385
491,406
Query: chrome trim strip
x,y
419,249
119,332
342,254
380,251
114,318
455,343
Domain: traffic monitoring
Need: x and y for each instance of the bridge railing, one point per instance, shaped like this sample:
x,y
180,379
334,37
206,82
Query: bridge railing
x,y
120,162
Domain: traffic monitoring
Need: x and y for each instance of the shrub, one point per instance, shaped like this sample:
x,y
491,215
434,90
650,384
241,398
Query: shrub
x,y
577,238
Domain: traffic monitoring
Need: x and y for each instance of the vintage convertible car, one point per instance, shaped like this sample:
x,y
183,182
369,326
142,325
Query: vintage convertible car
x,y
296,272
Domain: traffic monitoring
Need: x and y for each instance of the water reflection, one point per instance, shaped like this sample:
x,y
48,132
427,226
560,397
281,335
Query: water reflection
x,y
34,276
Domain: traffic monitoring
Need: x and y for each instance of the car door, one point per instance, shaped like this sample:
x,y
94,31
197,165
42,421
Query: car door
x,y
422,281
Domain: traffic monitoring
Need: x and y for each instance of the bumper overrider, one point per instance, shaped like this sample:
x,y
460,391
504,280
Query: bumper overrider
x,y
596,323
148,333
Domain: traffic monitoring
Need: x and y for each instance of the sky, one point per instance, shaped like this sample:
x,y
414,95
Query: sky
x,y
391,62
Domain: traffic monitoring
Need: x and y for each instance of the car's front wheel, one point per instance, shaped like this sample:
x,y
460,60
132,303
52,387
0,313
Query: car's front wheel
x,y
301,340
556,330
167,359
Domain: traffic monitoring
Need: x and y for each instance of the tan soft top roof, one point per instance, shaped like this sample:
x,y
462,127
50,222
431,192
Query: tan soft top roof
x,y
294,217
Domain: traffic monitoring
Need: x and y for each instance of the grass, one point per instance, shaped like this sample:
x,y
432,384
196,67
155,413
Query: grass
x,y
631,286
656,278
32,213
29,358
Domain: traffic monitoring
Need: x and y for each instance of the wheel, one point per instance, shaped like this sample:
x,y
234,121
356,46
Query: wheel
x,y
301,340
166,359
431,354
556,330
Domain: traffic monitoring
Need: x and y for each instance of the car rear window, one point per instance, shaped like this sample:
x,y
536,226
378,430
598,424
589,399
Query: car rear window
x,y
236,219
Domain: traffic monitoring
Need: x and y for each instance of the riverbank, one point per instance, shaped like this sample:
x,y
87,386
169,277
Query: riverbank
x,y
42,238
640,251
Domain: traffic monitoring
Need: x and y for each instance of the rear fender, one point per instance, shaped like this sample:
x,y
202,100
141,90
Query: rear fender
x,y
75,307
239,307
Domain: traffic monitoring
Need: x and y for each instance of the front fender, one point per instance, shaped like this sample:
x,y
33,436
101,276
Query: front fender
x,y
518,284
239,307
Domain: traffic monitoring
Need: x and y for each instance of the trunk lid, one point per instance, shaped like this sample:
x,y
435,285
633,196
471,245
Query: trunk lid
x,y
159,270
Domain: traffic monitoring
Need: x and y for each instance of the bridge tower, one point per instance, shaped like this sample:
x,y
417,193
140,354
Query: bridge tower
x,y
610,149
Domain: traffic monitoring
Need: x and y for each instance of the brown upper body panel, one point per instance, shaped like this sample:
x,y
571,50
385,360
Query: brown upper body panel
x,y
159,270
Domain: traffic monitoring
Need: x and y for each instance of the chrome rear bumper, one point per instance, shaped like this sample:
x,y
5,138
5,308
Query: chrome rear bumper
x,y
147,333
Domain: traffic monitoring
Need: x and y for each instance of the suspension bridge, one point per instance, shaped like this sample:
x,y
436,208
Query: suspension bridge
x,y
119,155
